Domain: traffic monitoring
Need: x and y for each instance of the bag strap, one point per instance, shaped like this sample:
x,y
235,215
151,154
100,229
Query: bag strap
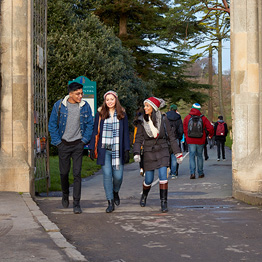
x,y
58,116
196,115
98,128
164,123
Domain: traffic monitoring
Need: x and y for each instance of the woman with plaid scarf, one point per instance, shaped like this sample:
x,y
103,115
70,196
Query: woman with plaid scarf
x,y
113,145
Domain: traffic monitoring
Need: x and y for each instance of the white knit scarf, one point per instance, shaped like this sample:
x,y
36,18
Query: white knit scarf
x,y
149,127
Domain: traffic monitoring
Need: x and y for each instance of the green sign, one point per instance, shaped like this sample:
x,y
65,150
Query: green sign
x,y
89,90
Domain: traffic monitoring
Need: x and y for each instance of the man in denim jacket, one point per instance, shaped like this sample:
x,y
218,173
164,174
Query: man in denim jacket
x,y
71,127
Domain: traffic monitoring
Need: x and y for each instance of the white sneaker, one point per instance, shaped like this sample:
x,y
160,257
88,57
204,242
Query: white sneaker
x,y
218,159
224,159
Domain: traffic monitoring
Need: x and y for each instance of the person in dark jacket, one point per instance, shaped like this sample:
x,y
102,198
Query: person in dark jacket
x,y
113,146
220,137
152,128
70,126
141,164
177,128
196,144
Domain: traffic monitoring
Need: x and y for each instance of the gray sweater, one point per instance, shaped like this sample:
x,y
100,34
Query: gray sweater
x,y
72,130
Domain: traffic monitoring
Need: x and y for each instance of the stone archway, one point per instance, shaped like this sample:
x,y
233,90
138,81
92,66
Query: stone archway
x,y
18,60
246,84
17,101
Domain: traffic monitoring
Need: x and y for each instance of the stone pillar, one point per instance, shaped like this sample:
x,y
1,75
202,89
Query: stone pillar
x,y
16,159
246,97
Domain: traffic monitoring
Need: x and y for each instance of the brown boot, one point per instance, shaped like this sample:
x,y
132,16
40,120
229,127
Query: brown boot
x,y
163,196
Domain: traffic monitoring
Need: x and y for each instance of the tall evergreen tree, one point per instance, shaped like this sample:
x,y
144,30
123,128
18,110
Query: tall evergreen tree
x,y
144,25
79,44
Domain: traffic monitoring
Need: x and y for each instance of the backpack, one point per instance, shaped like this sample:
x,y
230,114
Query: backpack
x,y
220,129
195,127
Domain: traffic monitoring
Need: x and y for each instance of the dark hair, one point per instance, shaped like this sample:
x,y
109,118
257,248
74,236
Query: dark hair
x,y
220,117
74,86
104,112
153,117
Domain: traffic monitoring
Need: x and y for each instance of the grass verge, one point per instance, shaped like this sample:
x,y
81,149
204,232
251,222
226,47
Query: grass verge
x,y
229,142
89,167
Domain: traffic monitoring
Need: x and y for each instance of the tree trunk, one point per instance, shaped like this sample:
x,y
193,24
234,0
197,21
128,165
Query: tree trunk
x,y
123,25
210,82
220,87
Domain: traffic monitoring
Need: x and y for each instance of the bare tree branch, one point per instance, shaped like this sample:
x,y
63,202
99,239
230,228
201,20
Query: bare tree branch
x,y
224,8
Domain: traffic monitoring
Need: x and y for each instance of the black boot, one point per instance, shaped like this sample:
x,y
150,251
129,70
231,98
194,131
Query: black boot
x,y
177,166
111,206
116,198
163,197
146,190
65,200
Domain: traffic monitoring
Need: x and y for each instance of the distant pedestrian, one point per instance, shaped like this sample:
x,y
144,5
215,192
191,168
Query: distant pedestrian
x,y
176,125
205,147
195,125
141,164
220,137
211,141
184,143
113,146
70,127
152,131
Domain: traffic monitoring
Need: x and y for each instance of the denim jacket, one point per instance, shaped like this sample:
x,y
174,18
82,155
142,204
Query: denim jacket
x,y
86,121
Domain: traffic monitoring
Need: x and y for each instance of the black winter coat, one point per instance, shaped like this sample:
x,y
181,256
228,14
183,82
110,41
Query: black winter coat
x,y
156,152
175,123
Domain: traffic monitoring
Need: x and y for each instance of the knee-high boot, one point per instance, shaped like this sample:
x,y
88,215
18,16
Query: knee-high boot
x,y
146,190
163,196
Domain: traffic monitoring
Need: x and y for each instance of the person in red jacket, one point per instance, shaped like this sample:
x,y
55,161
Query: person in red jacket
x,y
196,140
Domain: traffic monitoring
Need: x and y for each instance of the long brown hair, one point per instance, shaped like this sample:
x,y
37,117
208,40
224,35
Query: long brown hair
x,y
104,112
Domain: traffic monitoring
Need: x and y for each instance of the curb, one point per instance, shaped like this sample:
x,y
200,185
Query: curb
x,y
248,197
52,230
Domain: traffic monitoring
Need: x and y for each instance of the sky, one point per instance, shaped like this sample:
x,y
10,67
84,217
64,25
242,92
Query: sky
x,y
225,55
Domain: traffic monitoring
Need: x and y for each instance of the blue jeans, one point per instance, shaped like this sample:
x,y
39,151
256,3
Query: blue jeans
x,y
173,162
149,175
196,151
173,165
112,178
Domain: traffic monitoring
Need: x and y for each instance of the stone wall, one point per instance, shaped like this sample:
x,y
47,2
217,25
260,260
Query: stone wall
x,y
16,157
246,85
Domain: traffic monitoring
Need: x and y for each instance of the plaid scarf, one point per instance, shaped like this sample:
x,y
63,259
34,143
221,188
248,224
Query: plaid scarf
x,y
110,138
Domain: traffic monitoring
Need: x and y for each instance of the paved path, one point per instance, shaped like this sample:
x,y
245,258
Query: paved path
x,y
203,223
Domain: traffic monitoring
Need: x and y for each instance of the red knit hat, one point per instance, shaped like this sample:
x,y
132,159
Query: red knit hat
x,y
155,102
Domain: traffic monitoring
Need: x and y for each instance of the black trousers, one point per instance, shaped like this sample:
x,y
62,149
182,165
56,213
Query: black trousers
x,y
66,152
220,144
205,152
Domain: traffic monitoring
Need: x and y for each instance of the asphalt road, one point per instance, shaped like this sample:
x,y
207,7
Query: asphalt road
x,y
203,223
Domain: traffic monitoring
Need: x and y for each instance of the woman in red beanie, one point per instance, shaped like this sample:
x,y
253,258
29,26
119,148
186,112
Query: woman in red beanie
x,y
152,131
